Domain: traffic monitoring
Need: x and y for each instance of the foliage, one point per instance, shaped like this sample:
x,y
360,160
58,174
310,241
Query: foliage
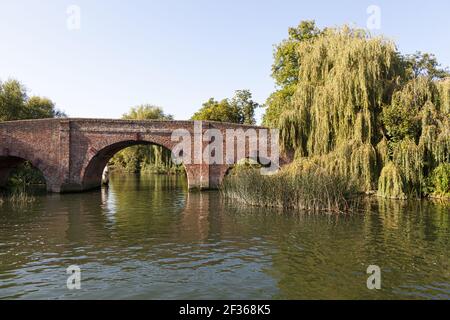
x,y
286,66
244,165
239,109
360,108
146,112
342,83
217,111
286,69
390,184
278,102
25,175
402,118
242,101
21,198
424,64
16,105
145,158
424,142
440,180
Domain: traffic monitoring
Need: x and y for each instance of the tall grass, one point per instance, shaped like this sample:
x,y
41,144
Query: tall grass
x,y
17,198
21,197
312,190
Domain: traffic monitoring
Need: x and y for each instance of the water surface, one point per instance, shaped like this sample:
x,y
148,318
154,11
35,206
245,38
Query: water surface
x,y
148,238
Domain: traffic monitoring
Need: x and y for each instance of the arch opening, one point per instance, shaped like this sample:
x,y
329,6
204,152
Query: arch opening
x,y
248,163
130,157
17,172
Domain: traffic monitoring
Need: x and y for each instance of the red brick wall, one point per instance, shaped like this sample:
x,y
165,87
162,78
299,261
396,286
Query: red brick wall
x,y
71,153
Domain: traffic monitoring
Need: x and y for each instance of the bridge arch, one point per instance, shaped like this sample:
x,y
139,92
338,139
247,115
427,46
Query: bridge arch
x,y
263,162
91,173
71,153
11,161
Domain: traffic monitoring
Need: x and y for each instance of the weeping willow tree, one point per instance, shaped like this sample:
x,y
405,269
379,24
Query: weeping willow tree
x,y
417,123
345,79
357,110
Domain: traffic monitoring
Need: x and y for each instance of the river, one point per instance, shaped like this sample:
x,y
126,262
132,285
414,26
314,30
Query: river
x,y
149,238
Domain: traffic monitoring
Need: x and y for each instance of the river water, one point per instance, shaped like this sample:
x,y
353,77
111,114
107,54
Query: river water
x,y
149,238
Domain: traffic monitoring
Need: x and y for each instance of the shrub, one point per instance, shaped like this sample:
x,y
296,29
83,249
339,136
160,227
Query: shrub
x,y
440,180
25,175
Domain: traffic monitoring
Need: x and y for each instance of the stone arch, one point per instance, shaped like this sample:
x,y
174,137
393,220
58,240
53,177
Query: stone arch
x,y
91,173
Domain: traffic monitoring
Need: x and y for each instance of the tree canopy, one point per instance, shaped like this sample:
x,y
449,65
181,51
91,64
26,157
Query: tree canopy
x,y
239,109
286,69
146,112
357,106
16,105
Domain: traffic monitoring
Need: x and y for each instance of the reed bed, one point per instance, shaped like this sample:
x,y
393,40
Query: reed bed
x,y
17,198
309,191
21,197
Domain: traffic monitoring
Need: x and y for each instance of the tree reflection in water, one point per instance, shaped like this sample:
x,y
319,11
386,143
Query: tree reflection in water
x,y
148,237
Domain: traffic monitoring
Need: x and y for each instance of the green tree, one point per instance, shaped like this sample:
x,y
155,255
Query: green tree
x,y
146,112
245,106
12,100
16,105
424,64
357,106
286,69
39,108
140,158
286,66
214,110
239,109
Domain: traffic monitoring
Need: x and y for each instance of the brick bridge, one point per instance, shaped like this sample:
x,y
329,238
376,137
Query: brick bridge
x,y
72,153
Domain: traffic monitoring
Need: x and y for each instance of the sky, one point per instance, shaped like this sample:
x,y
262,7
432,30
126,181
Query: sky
x,y
177,54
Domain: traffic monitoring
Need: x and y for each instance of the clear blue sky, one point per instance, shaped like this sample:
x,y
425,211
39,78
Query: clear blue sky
x,y
177,54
